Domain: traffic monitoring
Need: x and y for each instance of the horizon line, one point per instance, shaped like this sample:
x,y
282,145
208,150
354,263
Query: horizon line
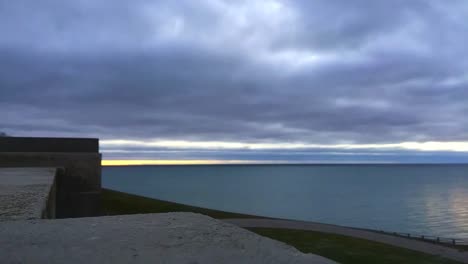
x,y
106,163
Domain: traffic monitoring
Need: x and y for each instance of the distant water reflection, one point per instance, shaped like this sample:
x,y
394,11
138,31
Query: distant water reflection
x,y
423,199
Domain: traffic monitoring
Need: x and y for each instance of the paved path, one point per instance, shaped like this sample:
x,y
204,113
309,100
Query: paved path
x,y
412,244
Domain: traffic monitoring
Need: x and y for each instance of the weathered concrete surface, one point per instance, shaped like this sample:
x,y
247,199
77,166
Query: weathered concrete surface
x,y
421,246
24,192
78,189
149,238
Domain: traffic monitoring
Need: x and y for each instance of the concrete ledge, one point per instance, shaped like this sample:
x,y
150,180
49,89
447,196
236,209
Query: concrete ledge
x,y
27,193
82,175
149,238
83,169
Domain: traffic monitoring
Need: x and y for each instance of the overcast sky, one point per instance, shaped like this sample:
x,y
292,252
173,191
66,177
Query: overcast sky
x,y
306,81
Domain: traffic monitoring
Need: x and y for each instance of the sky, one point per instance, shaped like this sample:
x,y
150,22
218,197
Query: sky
x,y
224,81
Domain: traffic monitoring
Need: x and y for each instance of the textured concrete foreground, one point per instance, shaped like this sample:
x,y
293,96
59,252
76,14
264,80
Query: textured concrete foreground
x,y
146,238
24,192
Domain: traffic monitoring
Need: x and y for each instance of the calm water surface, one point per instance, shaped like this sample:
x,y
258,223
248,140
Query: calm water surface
x,y
419,199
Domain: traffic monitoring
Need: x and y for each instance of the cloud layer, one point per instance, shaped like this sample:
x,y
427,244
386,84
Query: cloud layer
x,y
309,72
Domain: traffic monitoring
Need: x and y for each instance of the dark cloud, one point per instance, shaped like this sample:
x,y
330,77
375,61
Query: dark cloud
x,y
253,71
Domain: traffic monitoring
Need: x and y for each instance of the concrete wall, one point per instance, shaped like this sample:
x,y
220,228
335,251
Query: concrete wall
x,y
79,187
27,193
40,144
50,210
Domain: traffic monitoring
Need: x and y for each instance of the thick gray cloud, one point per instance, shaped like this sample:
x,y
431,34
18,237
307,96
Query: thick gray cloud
x,y
253,71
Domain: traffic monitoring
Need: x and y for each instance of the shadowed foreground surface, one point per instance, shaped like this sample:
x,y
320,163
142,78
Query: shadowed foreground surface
x,y
141,238
346,250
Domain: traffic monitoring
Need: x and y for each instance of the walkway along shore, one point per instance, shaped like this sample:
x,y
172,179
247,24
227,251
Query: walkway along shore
x,y
416,245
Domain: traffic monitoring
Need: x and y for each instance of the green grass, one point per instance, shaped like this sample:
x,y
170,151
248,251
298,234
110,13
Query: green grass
x,y
346,250
118,203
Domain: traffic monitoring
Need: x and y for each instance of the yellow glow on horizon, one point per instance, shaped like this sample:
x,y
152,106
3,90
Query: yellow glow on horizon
x,y
172,162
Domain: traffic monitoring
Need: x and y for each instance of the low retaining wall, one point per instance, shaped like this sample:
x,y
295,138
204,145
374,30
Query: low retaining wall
x,y
79,186
27,193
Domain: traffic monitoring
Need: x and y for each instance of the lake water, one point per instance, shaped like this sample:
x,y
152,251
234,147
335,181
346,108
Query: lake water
x,y
419,199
